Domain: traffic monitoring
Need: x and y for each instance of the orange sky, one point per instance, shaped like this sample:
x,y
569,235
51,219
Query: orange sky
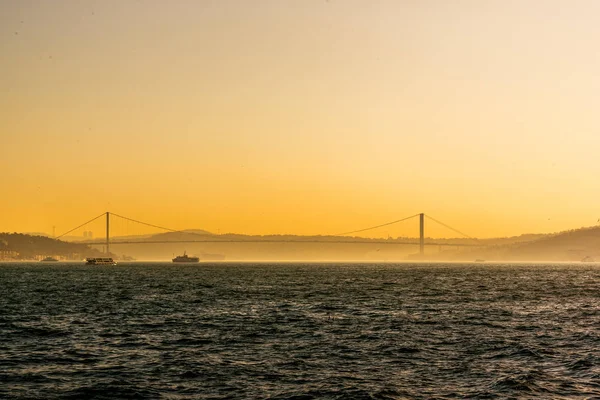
x,y
305,117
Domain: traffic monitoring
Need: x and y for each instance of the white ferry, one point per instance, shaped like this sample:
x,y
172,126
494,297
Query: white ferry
x,y
100,261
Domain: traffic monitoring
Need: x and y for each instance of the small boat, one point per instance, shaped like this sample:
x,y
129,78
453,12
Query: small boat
x,y
100,261
588,259
49,259
186,259
479,260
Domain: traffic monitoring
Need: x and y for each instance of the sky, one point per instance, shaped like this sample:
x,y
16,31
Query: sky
x,y
301,116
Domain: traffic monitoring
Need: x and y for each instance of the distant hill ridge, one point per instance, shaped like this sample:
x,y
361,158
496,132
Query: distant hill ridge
x,y
581,244
177,235
572,245
31,247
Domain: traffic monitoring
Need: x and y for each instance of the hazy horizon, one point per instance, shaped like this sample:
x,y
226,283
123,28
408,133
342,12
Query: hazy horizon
x,y
574,245
101,235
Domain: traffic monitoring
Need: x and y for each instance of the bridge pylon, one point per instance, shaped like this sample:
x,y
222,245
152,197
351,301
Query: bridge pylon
x,y
107,233
422,233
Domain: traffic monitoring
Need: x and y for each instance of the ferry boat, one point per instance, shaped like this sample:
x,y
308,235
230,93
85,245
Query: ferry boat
x,y
49,259
186,259
100,261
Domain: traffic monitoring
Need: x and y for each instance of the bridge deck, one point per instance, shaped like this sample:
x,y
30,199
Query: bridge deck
x,y
383,242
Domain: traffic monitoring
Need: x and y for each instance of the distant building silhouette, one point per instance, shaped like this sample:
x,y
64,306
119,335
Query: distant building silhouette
x,y
8,255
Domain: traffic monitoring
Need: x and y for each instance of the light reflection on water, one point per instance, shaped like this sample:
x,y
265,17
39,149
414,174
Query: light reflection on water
x,y
309,330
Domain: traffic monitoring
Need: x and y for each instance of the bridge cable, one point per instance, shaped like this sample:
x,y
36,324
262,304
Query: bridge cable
x,y
378,226
91,220
158,227
451,228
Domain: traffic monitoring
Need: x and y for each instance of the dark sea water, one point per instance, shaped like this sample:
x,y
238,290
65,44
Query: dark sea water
x,y
299,331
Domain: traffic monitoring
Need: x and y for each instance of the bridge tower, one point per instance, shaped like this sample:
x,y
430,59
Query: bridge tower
x,y
107,232
422,233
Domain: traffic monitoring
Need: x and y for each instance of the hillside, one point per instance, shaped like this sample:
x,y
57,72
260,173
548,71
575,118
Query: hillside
x,y
19,246
572,245
187,234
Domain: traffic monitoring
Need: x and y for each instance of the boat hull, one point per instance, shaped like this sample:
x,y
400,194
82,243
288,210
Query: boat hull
x,y
100,261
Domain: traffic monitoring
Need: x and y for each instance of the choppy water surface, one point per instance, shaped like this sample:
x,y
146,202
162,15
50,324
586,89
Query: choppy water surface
x,y
299,331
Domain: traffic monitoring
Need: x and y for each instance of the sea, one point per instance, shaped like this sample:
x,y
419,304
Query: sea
x,y
300,331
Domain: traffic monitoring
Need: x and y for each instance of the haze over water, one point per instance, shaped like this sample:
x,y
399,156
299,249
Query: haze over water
x,y
299,331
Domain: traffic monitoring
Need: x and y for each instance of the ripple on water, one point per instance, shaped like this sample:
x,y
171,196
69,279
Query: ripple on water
x,y
299,331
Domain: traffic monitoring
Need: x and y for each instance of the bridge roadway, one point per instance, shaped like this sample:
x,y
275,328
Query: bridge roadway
x,y
383,242
421,241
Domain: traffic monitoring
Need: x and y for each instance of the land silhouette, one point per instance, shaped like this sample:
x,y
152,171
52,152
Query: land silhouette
x,y
19,246
574,245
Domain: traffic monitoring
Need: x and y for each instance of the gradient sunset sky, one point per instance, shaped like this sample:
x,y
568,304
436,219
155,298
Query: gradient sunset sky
x,y
301,116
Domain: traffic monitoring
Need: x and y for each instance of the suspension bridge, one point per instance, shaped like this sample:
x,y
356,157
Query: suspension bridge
x,y
330,239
